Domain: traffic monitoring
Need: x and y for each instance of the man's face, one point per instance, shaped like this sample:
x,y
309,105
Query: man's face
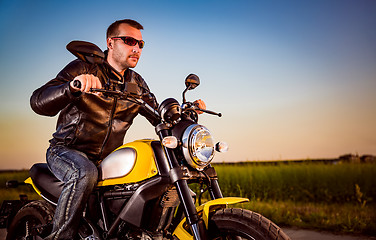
x,y
121,54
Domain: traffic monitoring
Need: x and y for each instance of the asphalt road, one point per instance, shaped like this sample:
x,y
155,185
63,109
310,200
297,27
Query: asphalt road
x,y
295,234
300,234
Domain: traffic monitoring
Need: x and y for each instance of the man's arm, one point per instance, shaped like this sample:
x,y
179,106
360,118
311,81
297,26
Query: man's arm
x,y
52,97
150,99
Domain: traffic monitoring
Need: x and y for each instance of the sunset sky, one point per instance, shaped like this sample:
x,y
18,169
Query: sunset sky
x,y
293,79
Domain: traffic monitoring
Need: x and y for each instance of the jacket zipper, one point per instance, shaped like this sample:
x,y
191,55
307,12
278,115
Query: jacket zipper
x,y
109,128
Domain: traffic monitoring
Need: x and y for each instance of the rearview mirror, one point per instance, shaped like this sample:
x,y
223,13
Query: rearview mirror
x,y
86,51
192,81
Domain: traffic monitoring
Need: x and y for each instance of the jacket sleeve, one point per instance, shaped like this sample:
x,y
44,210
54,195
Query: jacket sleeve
x,y
55,95
151,101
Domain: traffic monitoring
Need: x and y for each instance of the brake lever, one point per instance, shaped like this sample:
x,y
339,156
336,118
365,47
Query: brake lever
x,y
189,105
209,112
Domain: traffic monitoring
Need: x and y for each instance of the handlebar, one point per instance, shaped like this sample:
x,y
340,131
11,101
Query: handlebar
x,y
193,107
210,112
139,100
76,84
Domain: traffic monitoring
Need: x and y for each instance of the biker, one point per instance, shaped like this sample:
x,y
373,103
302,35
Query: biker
x,y
89,126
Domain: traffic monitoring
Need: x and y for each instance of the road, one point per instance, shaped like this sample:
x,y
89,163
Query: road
x,y
300,234
295,234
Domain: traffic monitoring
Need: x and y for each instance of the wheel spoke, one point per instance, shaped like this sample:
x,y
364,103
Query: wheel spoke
x,y
27,229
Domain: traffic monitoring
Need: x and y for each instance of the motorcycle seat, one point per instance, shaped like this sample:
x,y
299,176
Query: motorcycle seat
x,y
45,181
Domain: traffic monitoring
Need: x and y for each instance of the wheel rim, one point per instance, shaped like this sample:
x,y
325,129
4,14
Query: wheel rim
x,y
25,228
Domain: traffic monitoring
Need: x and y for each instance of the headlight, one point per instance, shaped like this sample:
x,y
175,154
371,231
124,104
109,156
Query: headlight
x,y
198,146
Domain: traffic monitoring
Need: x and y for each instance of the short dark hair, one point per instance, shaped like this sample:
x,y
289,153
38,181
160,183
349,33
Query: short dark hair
x,y
113,29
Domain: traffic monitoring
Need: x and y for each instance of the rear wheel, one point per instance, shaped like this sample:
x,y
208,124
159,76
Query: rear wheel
x,y
235,223
29,217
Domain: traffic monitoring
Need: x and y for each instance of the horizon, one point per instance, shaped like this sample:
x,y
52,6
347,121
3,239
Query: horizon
x,y
343,157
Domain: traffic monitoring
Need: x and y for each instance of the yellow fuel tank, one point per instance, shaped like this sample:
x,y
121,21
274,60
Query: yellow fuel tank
x,y
130,163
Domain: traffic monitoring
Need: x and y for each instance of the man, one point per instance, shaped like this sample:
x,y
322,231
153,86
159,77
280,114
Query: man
x,y
90,126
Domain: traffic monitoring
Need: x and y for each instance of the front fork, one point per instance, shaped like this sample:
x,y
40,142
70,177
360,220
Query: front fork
x,y
197,225
178,177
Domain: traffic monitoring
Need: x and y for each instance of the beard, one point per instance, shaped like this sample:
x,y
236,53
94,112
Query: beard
x,y
132,60
123,59
127,61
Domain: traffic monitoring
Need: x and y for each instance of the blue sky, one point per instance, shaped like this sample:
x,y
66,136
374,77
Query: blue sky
x,y
293,79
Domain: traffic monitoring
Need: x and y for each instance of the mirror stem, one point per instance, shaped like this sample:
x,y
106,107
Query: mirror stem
x,y
184,101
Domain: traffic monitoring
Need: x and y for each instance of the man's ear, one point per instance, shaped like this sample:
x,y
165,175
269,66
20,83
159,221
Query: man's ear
x,y
109,43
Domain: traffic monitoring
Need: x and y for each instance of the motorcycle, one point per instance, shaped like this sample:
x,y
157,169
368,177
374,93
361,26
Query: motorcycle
x,y
144,189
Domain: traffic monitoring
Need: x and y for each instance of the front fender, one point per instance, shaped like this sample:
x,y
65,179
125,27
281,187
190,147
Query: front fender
x,y
204,210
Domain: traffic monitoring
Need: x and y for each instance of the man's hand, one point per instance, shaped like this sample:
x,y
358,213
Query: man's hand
x,y
87,81
200,104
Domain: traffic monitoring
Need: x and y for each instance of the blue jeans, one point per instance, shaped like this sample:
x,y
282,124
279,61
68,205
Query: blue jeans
x,y
80,176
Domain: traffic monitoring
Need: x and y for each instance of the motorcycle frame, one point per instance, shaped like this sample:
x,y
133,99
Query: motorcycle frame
x,y
170,173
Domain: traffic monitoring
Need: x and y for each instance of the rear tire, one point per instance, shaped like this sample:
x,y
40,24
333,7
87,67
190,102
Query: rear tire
x,y
236,223
32,215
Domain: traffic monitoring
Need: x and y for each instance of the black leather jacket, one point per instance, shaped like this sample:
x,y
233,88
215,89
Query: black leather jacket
x,y
95,125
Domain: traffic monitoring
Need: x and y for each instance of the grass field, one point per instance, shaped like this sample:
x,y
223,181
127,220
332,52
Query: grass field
x,y
300,182
334,197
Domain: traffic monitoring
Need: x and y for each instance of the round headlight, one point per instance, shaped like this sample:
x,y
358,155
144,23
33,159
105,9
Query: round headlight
x,y
198,146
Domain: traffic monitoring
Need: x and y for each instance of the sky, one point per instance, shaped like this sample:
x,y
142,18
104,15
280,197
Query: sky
x,y
293,79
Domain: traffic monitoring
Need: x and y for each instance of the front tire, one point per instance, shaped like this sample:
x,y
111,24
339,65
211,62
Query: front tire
x,y
235,223
30,216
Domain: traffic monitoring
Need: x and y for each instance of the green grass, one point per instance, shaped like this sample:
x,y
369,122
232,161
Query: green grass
x,y
338,198
334,197
339,218
300,182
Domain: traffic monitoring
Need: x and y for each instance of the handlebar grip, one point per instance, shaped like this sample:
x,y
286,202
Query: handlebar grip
x,y
211,112
76,84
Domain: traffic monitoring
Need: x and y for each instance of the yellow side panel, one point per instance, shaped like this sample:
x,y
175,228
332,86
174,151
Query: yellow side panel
x,y
144,167
29,181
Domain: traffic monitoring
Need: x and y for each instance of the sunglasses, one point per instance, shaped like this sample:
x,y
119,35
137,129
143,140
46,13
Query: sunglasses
x,y
131,41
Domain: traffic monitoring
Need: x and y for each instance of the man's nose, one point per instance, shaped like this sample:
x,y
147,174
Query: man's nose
x,y
136,48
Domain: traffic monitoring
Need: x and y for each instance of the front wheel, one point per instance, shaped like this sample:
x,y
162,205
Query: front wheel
x,y
235,223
